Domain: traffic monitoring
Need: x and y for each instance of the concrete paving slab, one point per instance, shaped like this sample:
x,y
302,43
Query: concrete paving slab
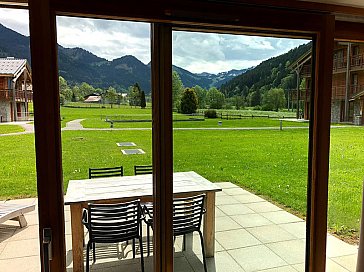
x,y
270,234
20,249
224,223
280,269
219,212
297,229
293,252
248,198
262,207
28,232
236,239
235,209
7,231
281,217
226,185
251,220
336,247
256,258
225,199
222,262
2,246
24,264
331,266
236,191
348,262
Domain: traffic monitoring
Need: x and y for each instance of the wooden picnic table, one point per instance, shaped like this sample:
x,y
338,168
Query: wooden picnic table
x,y
119,189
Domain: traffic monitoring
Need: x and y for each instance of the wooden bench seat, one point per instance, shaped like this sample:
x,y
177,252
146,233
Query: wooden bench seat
x,y
15,212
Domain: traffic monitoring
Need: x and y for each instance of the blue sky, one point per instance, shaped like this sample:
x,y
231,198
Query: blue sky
x,y
196,52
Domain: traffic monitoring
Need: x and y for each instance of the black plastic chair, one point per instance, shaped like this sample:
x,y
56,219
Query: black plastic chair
x,y
102,173
105,172
113,223
143,169
187,218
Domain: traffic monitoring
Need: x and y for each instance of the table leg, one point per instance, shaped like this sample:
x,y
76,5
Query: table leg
x,y
209,224
77,237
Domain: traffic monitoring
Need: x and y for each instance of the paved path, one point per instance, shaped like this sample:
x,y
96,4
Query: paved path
x,y
28,127
76,125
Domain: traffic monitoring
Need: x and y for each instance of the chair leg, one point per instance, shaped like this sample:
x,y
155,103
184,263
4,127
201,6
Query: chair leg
x,y
148,240
184,242
94,252
141,253
133,248
203,251
88,257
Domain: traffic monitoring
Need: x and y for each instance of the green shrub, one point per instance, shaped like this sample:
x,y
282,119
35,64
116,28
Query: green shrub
x,y
189,101
210,114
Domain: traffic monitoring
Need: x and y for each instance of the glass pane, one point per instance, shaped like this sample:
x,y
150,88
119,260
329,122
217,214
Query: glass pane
x,y
105,92
346,167
239,125
18,185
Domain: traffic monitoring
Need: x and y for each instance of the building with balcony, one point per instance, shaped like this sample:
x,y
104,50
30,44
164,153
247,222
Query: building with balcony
x,y
15,89
347,97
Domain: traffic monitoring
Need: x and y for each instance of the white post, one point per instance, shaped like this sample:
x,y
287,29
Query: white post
x,y
360,261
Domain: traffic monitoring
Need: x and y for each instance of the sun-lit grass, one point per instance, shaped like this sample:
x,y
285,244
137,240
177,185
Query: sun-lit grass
x,y
270,163
6,129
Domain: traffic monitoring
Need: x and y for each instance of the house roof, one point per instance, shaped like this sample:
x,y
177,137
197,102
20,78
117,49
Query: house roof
x,y
301,60
93,98
12,66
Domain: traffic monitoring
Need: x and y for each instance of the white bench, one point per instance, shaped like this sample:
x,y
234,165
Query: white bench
x,y
15,212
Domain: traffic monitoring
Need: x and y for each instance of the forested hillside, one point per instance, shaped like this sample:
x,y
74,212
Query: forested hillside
x,y
272,73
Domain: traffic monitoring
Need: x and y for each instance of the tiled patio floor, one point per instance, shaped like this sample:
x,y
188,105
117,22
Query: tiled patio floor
x,y
251,235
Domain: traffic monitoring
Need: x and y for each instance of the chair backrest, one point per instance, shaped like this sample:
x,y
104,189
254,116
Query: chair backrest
x,y
143,169
187,214
105,172
110,223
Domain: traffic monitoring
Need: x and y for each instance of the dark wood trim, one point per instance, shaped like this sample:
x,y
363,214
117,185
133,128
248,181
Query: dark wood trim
x,y
283,4
349,31
198,13
320,145
162,146
47,128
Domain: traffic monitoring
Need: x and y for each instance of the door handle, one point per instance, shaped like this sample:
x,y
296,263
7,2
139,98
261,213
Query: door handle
x,y
47,248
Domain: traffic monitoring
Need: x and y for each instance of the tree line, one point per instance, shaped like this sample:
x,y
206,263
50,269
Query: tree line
x,y
188,100
77,93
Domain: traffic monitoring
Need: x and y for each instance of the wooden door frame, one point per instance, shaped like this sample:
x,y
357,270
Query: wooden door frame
x,y
216,15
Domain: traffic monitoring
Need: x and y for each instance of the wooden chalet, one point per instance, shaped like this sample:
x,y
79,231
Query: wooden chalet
x,y
321,21
15,89
347,97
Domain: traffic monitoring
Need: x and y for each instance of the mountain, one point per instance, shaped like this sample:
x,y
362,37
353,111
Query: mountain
x,y
78,65
271,73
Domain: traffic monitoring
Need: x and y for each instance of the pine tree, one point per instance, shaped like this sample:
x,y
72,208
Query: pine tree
x,y
143,104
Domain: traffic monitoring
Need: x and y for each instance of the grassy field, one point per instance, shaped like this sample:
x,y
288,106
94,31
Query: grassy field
x,y
275,166
6,129
95,117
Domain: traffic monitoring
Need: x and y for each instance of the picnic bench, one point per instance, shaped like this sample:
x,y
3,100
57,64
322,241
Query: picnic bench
x,y
15,212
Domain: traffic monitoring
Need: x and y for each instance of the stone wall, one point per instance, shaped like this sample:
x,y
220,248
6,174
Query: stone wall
x,y
335,111
5,111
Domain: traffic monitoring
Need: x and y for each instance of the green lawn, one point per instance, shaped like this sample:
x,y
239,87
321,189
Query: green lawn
x,y
6,129
270,163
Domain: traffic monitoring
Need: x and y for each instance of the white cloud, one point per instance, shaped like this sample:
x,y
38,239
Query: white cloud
x,y
15,19
196,52
105,38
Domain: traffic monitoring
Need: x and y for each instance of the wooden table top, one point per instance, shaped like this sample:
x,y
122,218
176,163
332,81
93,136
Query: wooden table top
x,y
88,190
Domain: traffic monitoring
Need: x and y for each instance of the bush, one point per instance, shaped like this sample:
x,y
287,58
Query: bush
x,y
189,101
210,114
